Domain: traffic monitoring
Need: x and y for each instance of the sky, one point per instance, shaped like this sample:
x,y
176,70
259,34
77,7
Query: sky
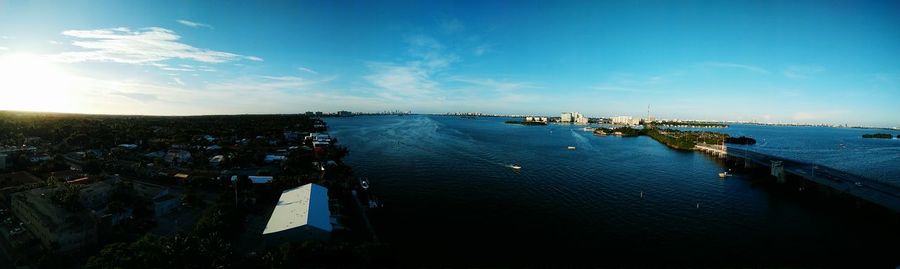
x,y
767,61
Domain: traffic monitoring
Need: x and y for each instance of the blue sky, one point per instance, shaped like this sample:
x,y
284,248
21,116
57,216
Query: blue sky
x,y
790,61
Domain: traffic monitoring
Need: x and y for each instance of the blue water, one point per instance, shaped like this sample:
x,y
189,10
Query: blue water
x,y
451,197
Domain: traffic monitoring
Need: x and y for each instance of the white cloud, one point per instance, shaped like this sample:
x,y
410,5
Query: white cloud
x,y
492,84
194,24
481,49
802,71
146,46
304,69
178,80
3,48
409,80
452,26
745,67
266,83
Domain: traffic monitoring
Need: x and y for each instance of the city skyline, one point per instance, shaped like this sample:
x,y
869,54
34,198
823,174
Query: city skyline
x,y
741,61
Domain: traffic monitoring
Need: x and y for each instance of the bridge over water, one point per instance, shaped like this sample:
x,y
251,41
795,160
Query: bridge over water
x,y
866,189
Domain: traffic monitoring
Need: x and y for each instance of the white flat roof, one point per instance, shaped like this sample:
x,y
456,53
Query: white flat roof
x,y
301,206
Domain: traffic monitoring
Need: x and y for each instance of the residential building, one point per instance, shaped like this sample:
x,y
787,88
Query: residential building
x,y
58,229
573,117
565,117
625,120
255,179
302,213
176,156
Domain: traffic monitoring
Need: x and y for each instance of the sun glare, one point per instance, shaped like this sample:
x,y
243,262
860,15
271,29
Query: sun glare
x,y
34,83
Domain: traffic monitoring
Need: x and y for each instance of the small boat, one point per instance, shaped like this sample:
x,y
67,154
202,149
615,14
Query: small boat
x,y
587,129
571,147
364,183
723,174
515,166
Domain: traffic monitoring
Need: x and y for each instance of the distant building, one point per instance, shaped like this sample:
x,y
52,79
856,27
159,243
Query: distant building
x,y
536,119
625,120
215,161
574,117
128,146
344,113
176,156
301,213
256,179
565,117
164,201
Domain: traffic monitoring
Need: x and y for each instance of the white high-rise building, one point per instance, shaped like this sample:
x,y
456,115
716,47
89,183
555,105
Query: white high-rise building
x,y
565,117
572,117
625,120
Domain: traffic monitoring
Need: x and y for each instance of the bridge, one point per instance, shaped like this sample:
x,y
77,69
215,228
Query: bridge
x,y
876,192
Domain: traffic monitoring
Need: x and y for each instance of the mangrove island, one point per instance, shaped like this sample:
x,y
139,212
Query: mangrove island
x,y
885,136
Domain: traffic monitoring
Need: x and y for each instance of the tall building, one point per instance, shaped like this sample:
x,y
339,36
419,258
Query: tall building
x,y
625,120
565,117
572,117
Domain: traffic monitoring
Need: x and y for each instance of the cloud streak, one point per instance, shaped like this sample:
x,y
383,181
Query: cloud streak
x,y
194,24
145,46
802,71
744,67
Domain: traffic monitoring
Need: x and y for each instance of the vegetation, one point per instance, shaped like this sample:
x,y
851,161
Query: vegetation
x,y
878,136
682,140
526,122
743,140
217,240
697,124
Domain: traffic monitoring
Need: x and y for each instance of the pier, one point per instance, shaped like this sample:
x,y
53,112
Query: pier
x,y
863,188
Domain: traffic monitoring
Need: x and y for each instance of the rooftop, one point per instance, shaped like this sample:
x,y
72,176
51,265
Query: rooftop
x,y
301,206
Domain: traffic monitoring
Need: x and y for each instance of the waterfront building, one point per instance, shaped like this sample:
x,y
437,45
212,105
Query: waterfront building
x,y
625,120
572,117
565,117
301,214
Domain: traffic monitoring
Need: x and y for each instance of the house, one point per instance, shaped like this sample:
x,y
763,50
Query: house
x,y
255,179
164,200
39,158
128,146
176,156
67,175
301,214
216,160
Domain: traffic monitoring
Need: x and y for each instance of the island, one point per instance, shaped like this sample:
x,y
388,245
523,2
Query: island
x,y
677,139
743,140
526,122
884,136
690,124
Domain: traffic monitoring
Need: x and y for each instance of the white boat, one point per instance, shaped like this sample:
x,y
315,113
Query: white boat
x,y
587,129
364,183
723,174
515,166
571,147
